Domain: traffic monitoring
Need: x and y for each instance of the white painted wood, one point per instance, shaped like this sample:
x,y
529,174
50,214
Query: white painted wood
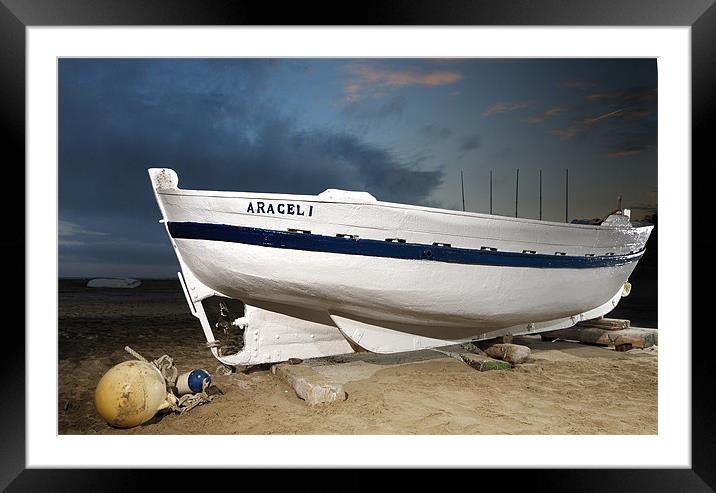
x,y
402,291
298,300
381,220
280,333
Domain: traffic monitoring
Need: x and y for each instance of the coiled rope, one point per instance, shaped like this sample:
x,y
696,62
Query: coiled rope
x,y
166,367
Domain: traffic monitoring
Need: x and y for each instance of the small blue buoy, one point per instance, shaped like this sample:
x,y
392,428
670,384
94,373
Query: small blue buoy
x,y
193,381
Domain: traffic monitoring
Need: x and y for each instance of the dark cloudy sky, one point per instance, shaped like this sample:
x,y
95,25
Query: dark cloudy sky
x,y
399,129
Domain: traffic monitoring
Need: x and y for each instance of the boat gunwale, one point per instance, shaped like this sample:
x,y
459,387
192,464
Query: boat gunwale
x,y
391,205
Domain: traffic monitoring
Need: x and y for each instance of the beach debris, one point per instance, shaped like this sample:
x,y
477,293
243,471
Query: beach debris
x,y
113,283
133,392
512,353
308,384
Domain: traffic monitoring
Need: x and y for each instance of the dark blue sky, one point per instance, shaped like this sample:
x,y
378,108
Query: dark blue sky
x,y
401,129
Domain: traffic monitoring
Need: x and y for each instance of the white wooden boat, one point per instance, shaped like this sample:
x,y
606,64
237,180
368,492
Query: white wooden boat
x,y
341,271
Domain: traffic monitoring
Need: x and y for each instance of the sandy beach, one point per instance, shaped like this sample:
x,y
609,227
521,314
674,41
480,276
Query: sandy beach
x,y
568,388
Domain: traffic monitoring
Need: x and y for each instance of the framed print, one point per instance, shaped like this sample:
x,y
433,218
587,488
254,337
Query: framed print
x,y
73,64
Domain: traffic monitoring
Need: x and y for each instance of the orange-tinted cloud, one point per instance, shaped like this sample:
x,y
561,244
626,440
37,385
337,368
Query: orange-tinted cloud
x,y
505,107
352,90
397,78
624,152
549,112
637,94
379,79
635,114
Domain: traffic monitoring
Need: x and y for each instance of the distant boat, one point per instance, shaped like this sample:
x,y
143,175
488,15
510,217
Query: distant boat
x,y
113,283
341,271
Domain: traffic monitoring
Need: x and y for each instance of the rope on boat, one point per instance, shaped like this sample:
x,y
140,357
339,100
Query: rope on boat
x,y
165,365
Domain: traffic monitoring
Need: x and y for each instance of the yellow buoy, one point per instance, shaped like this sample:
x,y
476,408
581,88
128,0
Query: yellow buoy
x,y
131,393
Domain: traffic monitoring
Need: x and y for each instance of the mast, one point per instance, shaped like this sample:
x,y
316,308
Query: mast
x,y
566,196
462,186
517,189
490,191
540,195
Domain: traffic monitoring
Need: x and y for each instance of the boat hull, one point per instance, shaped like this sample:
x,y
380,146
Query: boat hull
x,y
355,273
431,296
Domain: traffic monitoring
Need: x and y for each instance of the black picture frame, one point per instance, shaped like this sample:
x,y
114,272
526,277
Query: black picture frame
x,y
700,15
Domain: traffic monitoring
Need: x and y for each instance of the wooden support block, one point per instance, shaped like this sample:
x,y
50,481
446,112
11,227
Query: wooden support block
x,y
308,384
653,332
639,338
512,353
606,323
496,340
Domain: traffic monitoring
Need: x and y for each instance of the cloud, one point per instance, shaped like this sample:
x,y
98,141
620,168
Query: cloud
x,y
635,114
352,92
505,107
611,114
625,152
369,111
370,74
549,112
585,124
436,132
628,130
631,95
580,125
469,142
209,120
376,81
72,234
627,110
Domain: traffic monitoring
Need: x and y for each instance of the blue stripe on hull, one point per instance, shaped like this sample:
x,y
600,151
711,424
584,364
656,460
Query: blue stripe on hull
x,y
385,249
